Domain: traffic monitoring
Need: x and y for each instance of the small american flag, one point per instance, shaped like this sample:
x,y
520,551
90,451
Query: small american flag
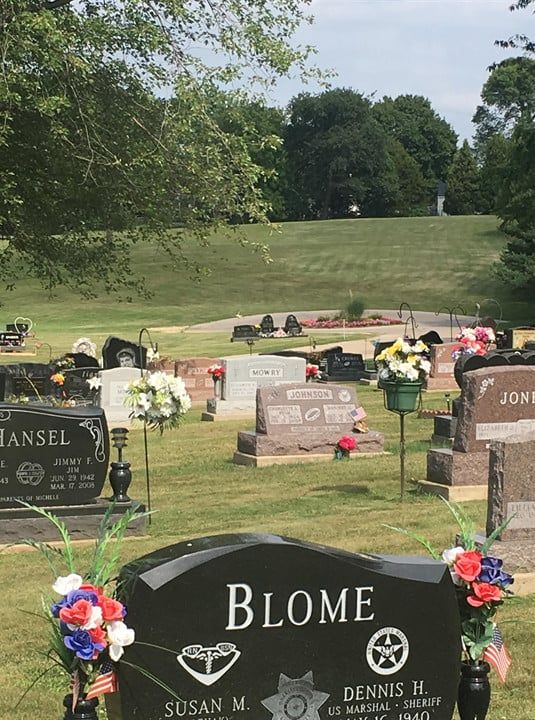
x,y
106,681
496,654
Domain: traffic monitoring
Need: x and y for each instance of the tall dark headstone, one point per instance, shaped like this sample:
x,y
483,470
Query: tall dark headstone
x,y
259,627
52,456
117,352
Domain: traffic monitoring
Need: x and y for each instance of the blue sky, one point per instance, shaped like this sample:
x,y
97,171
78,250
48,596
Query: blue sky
x,y
437,48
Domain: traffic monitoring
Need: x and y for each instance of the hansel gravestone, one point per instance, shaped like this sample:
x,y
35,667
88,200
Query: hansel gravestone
x,y
123,353
512,487
113,392
441,376
194,373
52,456
260,627
496,402
244,374
304,420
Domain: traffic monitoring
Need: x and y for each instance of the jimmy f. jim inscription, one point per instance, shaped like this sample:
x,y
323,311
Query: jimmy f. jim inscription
x,y
261,627
52,456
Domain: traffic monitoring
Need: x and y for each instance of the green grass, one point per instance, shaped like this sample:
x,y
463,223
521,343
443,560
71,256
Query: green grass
x,y
428,262
198,491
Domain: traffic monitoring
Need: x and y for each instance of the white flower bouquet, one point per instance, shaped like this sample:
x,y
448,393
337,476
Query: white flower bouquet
x,y
402,362
159,399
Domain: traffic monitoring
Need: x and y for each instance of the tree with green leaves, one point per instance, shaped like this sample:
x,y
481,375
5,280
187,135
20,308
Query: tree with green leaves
x,y
428,138
516,199
337,157
463,184
93,158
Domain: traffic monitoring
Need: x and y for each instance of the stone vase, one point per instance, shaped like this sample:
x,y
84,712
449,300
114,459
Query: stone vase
x,y
474,691
83,710
217,387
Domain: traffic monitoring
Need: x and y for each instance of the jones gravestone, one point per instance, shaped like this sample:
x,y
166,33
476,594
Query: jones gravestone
x,y
259,627
52,456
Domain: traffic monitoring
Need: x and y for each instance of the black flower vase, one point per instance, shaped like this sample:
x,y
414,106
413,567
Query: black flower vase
x,y
83,710
474,692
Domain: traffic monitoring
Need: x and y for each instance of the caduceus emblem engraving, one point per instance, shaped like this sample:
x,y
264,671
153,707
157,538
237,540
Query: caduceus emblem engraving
x,y
203,663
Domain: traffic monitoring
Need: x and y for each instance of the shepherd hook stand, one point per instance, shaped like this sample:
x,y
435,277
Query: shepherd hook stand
x,y
402,414
154,348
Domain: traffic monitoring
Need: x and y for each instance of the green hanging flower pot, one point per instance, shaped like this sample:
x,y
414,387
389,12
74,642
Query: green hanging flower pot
x,y
401,396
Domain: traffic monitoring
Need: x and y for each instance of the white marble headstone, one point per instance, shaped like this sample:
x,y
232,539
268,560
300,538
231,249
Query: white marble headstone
x,y
113,392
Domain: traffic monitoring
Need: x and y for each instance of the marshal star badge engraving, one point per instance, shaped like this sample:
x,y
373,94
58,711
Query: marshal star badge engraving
x,y
208,664
296,699
387,651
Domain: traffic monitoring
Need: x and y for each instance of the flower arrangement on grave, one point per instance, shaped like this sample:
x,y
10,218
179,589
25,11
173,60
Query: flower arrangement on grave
x,y
404,363
344,447
481,588
159,399
86,622
216,371
474,341
58,378
311,371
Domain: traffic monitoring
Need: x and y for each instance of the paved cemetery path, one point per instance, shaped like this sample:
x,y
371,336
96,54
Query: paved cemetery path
x,y
425,321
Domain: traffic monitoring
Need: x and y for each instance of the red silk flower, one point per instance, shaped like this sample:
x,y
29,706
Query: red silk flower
x,y
111,609
468,565
483,593
78,614
347,443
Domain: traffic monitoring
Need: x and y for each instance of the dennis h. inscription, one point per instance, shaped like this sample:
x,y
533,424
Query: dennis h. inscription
x,y
52,456
263,627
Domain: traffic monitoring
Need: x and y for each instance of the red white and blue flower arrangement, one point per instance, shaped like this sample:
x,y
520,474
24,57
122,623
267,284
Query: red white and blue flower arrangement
x,y
87,630
481,587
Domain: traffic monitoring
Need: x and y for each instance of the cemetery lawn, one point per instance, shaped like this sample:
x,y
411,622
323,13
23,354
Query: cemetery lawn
x,y
197,491
429,262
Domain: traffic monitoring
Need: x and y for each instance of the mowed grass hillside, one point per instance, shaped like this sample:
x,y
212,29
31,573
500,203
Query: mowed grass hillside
x,y
427,262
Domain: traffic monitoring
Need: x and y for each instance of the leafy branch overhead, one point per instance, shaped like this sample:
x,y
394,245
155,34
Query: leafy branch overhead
x,y
111,131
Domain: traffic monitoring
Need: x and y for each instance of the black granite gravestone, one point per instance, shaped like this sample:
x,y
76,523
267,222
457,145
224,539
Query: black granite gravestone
x,y
30,380
342,367
244,332
260,627
117,352
11,339
52,456
292,326
267,326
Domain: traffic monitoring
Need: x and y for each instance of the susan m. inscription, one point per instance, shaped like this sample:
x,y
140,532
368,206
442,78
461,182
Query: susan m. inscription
x,y
52,456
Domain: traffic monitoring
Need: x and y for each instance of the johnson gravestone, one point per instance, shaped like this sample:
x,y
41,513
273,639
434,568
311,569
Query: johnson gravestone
x,y
254,627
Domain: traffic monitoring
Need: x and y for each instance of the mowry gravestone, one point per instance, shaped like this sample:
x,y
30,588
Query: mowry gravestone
x,y
496,402
260,627
301,420
244,374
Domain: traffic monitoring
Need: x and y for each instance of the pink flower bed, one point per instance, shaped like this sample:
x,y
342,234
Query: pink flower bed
x,y
363,322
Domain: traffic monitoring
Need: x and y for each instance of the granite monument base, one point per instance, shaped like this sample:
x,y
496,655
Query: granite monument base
x,y
217,409
320,442
441,383
453,493
268,460
82,522
450,467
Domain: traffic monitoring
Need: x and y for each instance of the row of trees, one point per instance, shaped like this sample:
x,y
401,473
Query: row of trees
x,y
92,158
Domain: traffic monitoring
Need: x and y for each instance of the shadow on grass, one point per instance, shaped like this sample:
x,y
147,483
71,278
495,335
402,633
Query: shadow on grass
x,y
355,489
